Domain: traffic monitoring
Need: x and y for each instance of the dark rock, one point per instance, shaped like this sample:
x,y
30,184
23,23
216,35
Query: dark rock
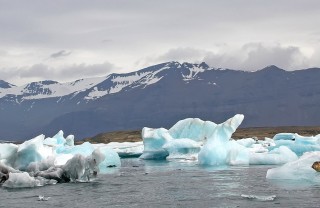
x,y
316,166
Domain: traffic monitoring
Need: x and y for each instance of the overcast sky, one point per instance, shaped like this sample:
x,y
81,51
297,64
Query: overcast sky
x,y
64,40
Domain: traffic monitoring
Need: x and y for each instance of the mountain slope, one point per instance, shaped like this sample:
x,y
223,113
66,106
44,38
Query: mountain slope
x,y
159,96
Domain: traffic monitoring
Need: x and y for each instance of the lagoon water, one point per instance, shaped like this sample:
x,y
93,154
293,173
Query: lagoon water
x,y
140,183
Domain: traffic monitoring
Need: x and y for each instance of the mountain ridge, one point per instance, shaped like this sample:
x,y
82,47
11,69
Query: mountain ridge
x,y
158,96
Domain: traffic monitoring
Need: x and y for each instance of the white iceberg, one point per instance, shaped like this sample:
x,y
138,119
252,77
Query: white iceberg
x,y
8,153
32,151
186,137
299,144
299,169
52,160
218,149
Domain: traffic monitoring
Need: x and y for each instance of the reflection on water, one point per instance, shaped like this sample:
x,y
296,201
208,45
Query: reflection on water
x,y
140,183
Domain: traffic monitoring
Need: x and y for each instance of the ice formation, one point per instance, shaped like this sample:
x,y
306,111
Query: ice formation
x,y
298,144
218,150
211,144
299,169
41,161
193,138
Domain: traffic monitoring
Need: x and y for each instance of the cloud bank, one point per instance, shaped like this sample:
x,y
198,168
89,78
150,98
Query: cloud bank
x,y
130,34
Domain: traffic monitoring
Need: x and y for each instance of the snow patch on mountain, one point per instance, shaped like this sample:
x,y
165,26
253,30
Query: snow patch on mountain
x,y
119,82
194,70
48,89
102,86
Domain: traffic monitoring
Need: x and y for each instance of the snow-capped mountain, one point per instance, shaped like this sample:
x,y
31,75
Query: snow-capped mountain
x,y
159,95
101,86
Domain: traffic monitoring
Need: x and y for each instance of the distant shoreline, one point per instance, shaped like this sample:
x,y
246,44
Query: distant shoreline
x,y
259,132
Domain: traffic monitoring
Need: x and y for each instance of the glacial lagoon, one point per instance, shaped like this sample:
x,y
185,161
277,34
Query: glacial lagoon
x,y
193,164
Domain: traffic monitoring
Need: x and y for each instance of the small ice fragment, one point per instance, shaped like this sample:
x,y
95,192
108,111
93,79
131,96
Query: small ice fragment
x,y
43,198
259,198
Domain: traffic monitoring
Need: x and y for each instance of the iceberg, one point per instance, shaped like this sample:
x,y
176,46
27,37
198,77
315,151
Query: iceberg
x,y
41,161
277,156
8,153
124,149
24,180
216,150
153,140
299,144
109,158
300,169
32,151
284,136
186,138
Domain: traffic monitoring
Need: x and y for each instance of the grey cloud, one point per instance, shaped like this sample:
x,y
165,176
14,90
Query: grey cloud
x,y
37,70
74,23
59,54
251,56
180,54
286,57
142,27
84,70
45,72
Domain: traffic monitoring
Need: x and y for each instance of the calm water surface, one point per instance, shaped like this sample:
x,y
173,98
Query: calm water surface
x,y
141,183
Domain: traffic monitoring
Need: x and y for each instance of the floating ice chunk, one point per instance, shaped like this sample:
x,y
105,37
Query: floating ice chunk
x,y
192,129
182,149
300,145
32,151
284,136
277,156
153,140
297,170
43,198
259,198
215,151
125,149
8,153
108,158
79,167
21,180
